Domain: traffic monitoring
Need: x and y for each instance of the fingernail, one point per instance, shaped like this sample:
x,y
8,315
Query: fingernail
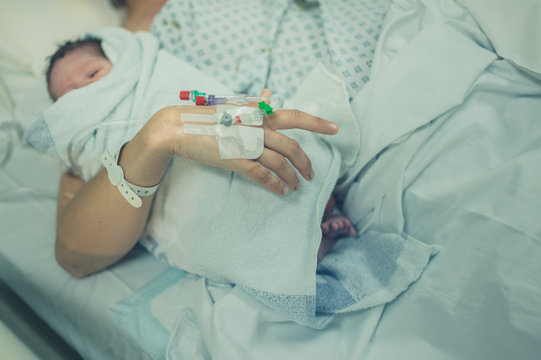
x,y
284,191
297,186
311,175
333,127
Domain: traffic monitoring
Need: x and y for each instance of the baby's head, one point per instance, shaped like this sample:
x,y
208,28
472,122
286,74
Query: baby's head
x,y
76,64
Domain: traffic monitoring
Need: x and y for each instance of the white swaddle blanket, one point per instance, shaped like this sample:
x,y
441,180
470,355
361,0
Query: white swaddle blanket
x,y
223,226
143,80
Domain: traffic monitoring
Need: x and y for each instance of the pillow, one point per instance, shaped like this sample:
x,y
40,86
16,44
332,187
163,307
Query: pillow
x,y
31,30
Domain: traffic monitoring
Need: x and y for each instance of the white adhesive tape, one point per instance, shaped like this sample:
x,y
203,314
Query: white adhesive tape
x,y
234,142
207,118
241,115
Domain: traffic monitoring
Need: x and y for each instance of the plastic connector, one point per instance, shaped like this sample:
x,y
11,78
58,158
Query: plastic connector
x,y
265,107
184,95
266,103
194,94
214,100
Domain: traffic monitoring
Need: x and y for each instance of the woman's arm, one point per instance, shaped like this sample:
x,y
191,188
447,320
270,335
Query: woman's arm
x,y
97,227
140,13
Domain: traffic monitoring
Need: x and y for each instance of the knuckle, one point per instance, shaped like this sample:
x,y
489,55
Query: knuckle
x,y
281,164
267,131
260,174
322,122
297,116
166,115
294,147
269,121
277,162
169,111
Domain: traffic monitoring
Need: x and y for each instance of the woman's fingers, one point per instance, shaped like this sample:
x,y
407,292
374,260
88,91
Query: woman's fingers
x,y
290,149
289,119
271,170
266,93
258,173
281,167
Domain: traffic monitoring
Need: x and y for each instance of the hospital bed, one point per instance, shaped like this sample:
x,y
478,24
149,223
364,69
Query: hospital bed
x,y
471,187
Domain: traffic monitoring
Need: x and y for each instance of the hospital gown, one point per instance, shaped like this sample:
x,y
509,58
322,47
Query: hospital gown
x,y
262,44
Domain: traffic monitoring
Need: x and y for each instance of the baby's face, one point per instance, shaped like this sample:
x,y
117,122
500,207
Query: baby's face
x,y
78,68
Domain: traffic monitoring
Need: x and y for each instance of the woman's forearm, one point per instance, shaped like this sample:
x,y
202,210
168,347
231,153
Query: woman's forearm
x,y
98,226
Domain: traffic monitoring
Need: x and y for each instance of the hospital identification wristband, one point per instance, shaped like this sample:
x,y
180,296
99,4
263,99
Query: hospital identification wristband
x,y
129,191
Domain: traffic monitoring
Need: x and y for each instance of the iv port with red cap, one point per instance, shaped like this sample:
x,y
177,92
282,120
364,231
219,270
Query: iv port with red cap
x,y
200,98
194,95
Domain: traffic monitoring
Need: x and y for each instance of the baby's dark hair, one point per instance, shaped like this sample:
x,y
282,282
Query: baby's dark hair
x,y
118,3
67,47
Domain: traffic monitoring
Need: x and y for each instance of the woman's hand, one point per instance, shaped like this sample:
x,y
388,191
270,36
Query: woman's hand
x,y
97,226
166,132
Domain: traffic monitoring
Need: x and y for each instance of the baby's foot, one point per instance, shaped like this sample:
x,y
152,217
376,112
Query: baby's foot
x,y
333,227
337,225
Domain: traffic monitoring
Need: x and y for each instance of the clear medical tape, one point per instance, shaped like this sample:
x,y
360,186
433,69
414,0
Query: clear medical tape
x,y
195,97
237,130
75,147
7,146
14,193
10,135
11,132
77,143
8,125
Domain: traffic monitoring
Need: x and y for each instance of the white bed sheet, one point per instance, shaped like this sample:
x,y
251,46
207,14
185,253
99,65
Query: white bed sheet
x,y
480,298
92,315
78,310
472,187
